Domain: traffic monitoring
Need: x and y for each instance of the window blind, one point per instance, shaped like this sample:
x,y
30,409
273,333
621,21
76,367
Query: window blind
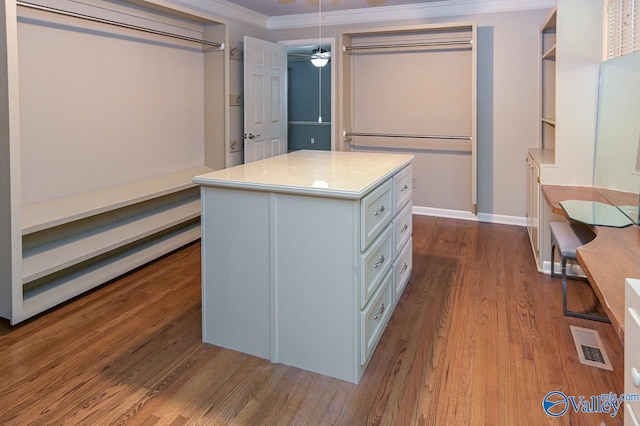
x,y
623,27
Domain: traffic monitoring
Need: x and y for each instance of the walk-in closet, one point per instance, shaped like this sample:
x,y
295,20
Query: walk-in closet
x,y
413,90
110,109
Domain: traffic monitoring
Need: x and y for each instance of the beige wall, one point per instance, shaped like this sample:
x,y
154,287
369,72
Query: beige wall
x,y
89,93
507,99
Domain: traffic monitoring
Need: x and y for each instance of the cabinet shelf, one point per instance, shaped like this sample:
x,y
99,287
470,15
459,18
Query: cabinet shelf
x,y
550,54
550,24
542,157
54,256
39,216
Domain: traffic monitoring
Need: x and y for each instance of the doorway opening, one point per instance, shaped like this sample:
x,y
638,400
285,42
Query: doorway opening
x,y
310,95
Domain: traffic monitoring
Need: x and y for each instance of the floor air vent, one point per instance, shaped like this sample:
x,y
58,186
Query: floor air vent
x,y
590,349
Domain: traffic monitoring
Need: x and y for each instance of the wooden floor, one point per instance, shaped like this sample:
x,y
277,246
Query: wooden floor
x,y
477,338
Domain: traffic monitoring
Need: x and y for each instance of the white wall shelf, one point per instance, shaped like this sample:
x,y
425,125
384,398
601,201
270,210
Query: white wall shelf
x,y
63,288
39,216
54,256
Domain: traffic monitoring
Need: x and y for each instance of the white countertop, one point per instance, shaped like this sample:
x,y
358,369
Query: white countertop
x,y
323,173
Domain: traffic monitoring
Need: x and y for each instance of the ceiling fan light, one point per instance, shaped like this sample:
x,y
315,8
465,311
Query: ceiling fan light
x,y
319,61
320,57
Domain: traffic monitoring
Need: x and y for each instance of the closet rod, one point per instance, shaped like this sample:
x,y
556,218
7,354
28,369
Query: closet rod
x,y
424,44
399,135
117,24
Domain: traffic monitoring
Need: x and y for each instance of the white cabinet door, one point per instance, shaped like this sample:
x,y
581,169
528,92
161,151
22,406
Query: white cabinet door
x,y
631,353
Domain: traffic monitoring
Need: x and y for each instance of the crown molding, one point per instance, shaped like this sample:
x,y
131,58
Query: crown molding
x,y
226,9
432,9
406,12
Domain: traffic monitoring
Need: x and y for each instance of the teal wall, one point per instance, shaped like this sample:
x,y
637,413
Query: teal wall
x,y
303,106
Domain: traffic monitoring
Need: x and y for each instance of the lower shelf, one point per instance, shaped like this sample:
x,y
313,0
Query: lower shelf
x,y
48,258
38,297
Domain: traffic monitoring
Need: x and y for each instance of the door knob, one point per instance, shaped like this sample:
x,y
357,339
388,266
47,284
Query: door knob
x,y
251,136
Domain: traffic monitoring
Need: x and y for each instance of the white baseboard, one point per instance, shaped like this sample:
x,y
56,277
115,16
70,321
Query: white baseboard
x,y
464,215
572,268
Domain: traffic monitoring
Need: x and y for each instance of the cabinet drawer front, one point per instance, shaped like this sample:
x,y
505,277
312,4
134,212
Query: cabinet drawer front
x,y
402,188
402,269
375,317
376,211
374,264
402,228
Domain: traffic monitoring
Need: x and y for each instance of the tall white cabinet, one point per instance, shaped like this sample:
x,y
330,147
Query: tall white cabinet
x,y
102,129
570,52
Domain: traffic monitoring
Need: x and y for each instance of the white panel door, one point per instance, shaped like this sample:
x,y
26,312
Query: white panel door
x,y
265,112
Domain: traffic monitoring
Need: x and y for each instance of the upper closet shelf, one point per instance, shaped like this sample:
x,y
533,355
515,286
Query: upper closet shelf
x,y
39,216
433,43
117,24
348,134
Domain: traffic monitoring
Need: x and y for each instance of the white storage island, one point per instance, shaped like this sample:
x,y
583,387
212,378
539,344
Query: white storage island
x,y
305,255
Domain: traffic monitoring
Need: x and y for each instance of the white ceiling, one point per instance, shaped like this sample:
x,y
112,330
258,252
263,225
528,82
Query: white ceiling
x,y
291,7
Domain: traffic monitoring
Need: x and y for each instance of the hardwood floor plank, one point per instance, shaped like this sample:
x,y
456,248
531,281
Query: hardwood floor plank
x,y
478,337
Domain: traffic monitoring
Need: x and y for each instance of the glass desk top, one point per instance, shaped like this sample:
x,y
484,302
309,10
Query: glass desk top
x,y
595,213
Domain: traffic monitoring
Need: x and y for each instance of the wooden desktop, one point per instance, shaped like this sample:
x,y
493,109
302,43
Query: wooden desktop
x,y
609,259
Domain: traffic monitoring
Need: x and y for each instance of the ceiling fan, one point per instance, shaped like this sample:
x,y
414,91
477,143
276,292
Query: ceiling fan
x,y
319,56
315,2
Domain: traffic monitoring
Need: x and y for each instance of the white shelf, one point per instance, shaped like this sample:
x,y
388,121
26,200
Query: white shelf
x,y
542,157
62,253
550,24
550,121
57,291
550,54
39,216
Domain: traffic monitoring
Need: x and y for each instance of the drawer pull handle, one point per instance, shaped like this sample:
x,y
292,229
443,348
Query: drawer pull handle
x,y
404,188
379,211
635,377
379,262
404,267
379,314
404,228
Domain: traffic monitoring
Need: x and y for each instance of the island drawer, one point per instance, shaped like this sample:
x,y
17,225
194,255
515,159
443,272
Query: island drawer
x,y
402,269
402,228
376,211
373,265
374,318
402,188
